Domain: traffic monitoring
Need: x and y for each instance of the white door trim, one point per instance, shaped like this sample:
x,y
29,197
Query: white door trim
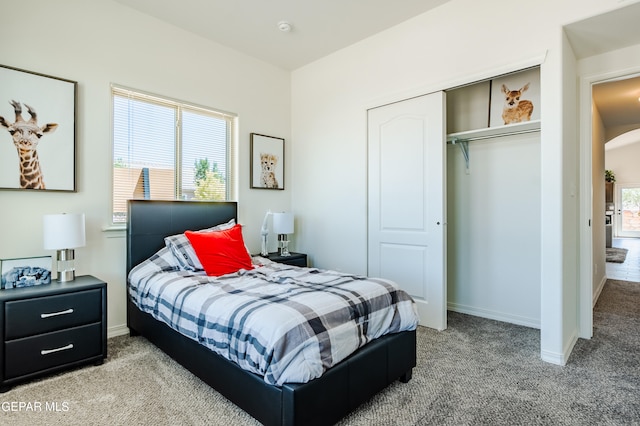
x,y
585,293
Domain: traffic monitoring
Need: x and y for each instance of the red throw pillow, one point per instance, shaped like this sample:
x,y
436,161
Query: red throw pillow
x,y
220,252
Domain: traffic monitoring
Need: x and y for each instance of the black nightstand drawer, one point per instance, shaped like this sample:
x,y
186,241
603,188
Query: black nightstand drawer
x,y
43,314
48,328
295,259
55,349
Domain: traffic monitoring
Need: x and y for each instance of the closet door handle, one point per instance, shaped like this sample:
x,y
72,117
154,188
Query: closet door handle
x,y
55,314
50,351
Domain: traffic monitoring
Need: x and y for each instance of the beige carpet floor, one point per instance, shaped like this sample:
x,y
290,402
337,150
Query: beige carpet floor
x,y
476,372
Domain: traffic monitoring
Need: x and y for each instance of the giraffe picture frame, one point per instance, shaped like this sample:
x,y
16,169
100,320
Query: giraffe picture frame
x,y
37,131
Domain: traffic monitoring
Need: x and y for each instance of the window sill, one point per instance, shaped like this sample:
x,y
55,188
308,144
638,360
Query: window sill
x,y
115,231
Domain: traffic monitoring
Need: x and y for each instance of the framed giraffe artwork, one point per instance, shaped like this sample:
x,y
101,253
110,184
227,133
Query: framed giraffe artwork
x,y
267,162
37,131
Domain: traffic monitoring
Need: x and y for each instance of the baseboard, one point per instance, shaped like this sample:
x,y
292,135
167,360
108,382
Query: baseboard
x,y
494,315
596,294
117,330
560,358
553,357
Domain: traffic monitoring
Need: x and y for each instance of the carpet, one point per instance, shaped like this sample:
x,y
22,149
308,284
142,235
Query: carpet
x,y
616,255
477,372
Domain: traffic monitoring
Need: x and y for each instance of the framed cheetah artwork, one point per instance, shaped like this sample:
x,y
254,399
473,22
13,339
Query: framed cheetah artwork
x,y
37,131
267,162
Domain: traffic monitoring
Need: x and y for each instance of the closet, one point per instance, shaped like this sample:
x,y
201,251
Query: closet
x,y
493,199
459,228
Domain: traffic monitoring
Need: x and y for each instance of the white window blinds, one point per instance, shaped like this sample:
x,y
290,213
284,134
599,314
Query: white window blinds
x,y
165,149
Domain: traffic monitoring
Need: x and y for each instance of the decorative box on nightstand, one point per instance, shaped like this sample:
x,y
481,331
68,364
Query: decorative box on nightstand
x,y
51,327
295,259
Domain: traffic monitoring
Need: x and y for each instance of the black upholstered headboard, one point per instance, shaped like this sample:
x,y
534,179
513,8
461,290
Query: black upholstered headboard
x,y
149,221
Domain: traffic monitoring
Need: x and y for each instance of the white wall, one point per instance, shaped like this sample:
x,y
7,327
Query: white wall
x,y
493,226
100,42
459,42
624,162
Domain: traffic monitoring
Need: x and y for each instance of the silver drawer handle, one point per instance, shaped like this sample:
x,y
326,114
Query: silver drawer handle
x,y
54,314
50,351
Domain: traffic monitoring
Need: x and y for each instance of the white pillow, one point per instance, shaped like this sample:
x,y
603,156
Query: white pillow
x,y
183,251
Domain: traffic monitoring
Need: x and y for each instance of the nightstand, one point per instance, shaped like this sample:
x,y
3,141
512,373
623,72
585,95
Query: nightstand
x,y
296,259
51,327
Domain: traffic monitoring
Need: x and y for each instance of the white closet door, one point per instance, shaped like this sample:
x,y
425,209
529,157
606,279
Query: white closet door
x,y
406,212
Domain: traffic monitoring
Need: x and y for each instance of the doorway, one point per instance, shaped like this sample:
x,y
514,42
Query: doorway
x,y
608,120
595,56
627,217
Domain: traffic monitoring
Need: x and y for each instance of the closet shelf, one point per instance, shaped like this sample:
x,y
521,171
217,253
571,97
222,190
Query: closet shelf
x,y
491,132
462,139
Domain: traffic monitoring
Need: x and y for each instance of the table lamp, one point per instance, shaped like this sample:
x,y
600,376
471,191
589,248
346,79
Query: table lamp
x,y
283,226
63,233
264,234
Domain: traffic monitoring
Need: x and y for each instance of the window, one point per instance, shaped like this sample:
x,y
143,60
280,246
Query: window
x,y
169,150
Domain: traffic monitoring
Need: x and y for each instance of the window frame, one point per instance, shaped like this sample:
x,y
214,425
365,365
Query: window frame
x,y
231,167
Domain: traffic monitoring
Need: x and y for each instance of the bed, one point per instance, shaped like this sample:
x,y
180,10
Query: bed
x,y
323,400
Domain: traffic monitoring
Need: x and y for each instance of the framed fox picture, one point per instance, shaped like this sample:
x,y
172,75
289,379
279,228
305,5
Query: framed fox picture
x,y
515,98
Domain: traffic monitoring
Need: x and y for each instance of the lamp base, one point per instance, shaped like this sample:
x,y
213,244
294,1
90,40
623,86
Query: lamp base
x,y
66,276
66,265
283,244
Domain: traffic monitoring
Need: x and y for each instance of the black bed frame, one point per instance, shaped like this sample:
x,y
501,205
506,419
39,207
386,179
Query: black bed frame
x,y
322,401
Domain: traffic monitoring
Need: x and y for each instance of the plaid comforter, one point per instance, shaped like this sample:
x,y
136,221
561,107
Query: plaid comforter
x,y
285,323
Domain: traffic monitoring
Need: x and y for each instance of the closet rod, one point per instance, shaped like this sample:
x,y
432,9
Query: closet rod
x,y
464,143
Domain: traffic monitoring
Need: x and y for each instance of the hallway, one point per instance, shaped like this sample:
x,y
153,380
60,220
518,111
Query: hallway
x,y
630,269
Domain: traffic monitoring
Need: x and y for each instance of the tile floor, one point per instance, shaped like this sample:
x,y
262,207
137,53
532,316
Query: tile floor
x,y
630,269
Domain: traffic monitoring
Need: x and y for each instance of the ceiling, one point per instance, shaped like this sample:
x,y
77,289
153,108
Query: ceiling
x,y
321,27
618,102
318,27
605,32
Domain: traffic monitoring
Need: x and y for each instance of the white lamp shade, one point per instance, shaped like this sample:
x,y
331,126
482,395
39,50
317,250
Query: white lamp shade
x,y
283,223
63,231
